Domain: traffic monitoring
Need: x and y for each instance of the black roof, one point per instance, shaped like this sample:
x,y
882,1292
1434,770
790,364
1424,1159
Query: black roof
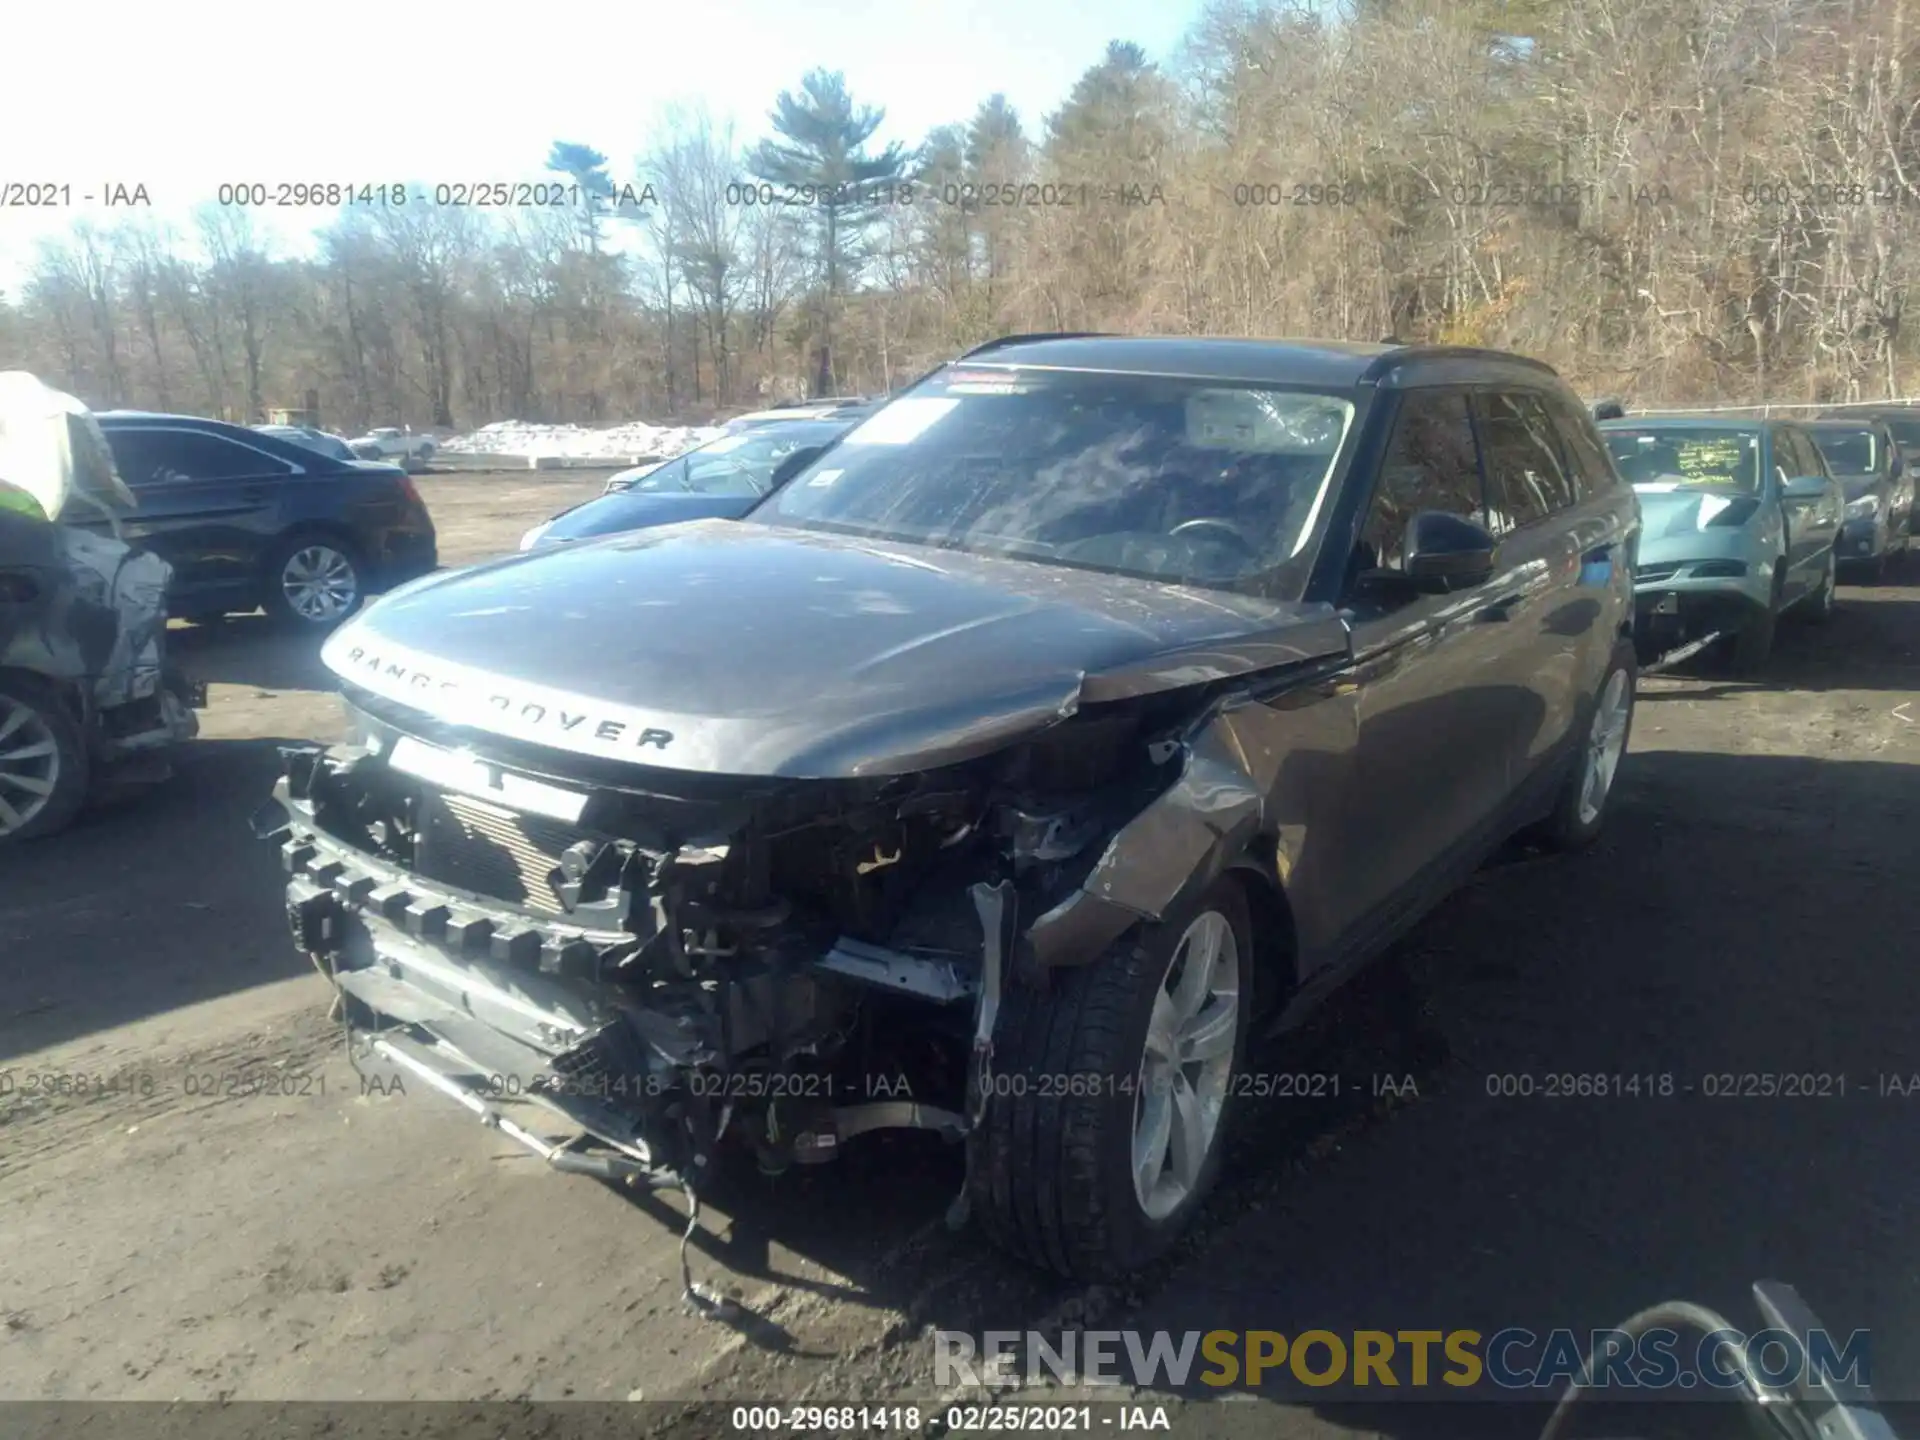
x,y
294,451
159,418
1329,363
1882,411
1693,420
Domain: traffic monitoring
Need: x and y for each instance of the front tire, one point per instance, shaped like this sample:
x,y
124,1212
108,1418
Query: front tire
x,y
1581,809
1113,1093
1753,644
313,582
43,763
1819,608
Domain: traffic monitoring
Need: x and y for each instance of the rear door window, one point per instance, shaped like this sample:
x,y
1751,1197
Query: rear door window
x,y
1587,459
1526,479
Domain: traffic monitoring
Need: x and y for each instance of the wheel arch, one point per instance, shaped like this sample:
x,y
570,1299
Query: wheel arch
x,y
1276,937
69,694
316,529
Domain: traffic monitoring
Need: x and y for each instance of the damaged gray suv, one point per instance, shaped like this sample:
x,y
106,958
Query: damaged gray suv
x,y
1085,714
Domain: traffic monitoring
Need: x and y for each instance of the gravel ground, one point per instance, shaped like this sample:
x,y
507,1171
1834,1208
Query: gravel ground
x,y
239,1220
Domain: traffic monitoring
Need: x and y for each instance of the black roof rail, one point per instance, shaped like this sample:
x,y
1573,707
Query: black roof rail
x,y
1005,340
1386,362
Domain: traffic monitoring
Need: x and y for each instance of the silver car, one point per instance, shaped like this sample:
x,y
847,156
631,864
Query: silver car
x,y
1742,517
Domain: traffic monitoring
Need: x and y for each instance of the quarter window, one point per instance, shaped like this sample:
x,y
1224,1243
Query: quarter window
x,y
1526,480
1587,459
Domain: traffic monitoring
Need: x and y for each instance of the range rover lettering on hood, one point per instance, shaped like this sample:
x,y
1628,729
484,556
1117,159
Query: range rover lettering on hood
x,y
462,696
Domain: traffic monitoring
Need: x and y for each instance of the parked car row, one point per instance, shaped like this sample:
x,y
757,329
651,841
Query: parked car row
x,y
1749,521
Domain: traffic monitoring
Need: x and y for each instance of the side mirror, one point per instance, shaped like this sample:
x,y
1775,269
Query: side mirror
x,y
793,465
1447,552
1805,487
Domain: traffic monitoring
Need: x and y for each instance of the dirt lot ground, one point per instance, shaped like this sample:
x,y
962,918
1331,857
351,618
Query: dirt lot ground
x,y
1751,911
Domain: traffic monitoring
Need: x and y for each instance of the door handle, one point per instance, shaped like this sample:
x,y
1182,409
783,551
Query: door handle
x,y
1501,609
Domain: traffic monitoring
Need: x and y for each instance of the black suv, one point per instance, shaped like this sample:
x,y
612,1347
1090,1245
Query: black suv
x,y
1092,708
250,519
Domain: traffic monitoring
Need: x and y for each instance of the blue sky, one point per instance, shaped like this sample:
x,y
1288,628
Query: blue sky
x,y
200,92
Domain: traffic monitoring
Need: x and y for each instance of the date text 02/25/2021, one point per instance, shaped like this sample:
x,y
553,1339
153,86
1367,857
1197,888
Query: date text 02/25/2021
x,y
958,1419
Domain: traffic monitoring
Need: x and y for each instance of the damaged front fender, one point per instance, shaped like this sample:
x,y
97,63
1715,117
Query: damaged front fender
x,y
1228,800
89,614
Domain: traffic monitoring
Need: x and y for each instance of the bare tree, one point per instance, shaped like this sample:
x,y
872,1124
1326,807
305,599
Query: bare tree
x,y
1689,200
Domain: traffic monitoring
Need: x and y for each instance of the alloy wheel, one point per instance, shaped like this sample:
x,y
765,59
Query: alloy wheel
x,y
29,764
319,583
1187,1065
1606,741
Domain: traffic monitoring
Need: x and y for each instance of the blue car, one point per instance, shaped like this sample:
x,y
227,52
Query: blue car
x,y
1742,519
722,479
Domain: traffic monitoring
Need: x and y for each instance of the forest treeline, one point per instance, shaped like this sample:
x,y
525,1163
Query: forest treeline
x,y
1678,201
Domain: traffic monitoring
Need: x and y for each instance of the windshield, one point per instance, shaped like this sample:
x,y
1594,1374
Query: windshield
x,y
740,465
1659,458
1168,479
1850,452
1905,429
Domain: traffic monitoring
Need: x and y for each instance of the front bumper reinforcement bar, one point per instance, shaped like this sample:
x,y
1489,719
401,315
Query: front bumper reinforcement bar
x,y
629,1167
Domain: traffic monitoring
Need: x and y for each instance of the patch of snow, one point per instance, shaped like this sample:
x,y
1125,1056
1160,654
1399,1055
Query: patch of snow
x,y
635,441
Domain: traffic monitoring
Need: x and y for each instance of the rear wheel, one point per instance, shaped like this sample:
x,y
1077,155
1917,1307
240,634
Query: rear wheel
x,y
1112,1094
1581,809
1753,644
1819,606
43,762
313,582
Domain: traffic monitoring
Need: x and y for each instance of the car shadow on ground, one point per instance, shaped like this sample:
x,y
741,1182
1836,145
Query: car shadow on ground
x,y
252,651
1734,925
117,919
1871,643
1735,932
1731,939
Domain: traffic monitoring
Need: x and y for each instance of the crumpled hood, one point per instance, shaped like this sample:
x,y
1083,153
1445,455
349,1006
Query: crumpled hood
x,y
1677,512
741,648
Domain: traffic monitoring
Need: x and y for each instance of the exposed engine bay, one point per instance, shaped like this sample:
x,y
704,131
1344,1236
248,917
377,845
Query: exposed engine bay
x,y
684,963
